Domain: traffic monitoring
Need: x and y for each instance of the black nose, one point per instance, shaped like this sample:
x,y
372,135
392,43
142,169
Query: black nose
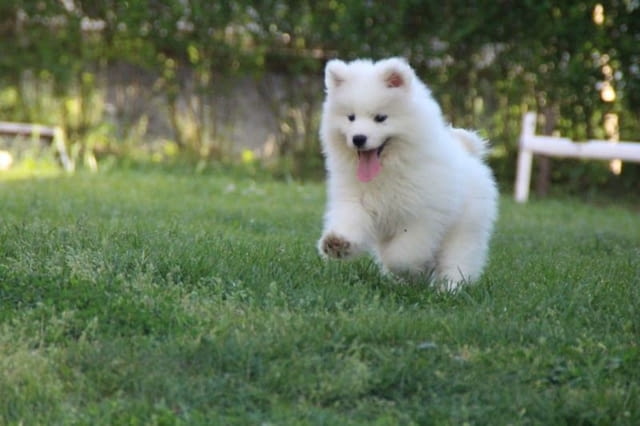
x,y
359,140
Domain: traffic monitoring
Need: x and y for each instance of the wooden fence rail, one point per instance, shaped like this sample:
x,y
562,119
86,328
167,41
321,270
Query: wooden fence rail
x,y
52,134
531,144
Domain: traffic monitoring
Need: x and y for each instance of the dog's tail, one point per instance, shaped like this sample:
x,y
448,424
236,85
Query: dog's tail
x,y
473,143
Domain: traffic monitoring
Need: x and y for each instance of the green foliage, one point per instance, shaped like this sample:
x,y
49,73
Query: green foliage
x,y
486,61
177,299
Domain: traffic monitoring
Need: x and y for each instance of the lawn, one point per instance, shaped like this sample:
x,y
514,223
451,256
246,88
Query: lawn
x,y
150,298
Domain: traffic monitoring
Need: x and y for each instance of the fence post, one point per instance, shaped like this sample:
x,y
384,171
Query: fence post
x,y
60,144
525,158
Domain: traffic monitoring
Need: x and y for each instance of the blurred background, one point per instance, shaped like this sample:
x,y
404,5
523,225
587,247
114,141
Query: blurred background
x,y
194,83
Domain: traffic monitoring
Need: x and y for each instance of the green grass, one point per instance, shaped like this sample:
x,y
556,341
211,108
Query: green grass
x,y
148,298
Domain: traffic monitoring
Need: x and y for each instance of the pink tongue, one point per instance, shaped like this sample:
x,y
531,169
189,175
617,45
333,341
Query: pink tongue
x,y
368,165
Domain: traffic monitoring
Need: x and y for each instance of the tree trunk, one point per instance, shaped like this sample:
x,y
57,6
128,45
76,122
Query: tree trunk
x,y
543,176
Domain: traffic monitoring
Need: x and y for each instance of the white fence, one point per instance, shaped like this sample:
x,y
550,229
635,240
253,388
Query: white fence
x,y
531,144
54,135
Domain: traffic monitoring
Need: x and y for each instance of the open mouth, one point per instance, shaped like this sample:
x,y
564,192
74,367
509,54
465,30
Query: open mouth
x,y
381,147
369,165
377,150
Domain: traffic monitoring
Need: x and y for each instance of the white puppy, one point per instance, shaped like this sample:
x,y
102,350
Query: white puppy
x,y
402,184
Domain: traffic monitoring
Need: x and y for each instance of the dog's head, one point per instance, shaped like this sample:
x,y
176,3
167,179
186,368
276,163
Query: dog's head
x,y
368,105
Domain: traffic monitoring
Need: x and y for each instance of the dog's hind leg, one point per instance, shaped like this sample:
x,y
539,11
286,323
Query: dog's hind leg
x,y
463,253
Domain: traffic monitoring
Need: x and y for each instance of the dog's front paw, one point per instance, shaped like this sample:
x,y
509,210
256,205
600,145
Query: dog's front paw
x,y
335,246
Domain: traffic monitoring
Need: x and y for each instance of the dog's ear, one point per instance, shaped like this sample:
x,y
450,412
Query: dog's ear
x,y
396,73
335,73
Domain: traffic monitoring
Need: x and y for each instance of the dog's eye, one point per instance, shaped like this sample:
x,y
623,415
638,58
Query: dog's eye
x,y
379,118
351,117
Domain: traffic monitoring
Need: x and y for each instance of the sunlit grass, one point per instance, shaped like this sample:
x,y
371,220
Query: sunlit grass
x,y
130,298
31,170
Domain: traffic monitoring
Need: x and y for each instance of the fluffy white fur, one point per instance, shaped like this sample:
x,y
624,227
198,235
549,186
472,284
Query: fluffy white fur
x,y
431,207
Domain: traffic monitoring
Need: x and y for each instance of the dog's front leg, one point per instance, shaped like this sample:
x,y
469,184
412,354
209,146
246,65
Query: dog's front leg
x,y
347,230
412,250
